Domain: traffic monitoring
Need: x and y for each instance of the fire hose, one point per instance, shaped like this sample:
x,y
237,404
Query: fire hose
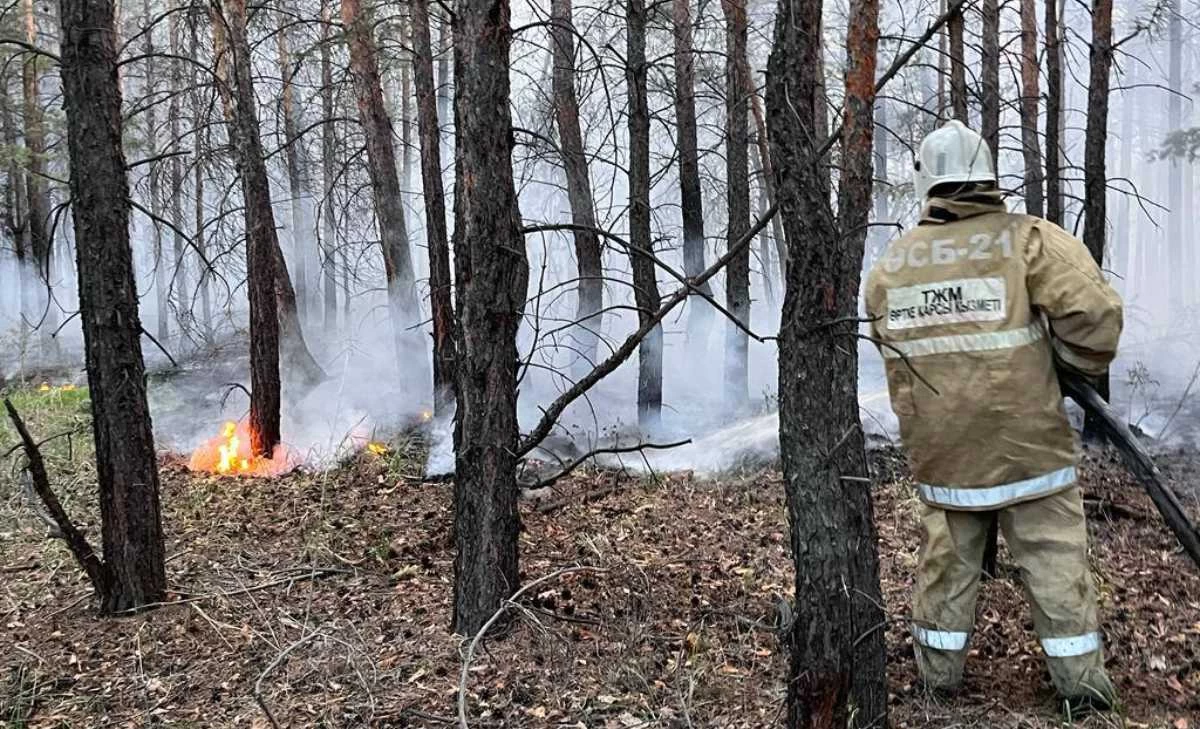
x,y
1137,460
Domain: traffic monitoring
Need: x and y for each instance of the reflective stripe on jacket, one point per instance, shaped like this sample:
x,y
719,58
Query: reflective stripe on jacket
x,y
978,304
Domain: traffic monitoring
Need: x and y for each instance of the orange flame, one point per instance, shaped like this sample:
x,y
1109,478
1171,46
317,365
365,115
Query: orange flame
x,y
378,449
229,454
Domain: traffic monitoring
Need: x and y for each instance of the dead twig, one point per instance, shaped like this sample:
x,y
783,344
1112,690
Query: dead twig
x,y
474,644
258,697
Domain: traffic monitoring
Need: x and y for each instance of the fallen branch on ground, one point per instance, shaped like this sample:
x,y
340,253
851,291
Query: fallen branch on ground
x,y
96,569
638,448
1138,461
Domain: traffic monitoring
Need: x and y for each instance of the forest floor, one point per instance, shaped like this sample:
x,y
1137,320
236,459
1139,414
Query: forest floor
x,y
324,599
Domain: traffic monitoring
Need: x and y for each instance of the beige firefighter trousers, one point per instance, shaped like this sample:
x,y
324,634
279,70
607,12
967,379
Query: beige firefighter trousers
x,y
1048,538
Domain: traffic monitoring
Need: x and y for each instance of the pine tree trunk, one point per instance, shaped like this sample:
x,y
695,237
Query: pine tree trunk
x,y
385,183
16,215
1175,282
700,314
1095,176
764,157
440,287
1030,93
299,184
1122,248
328,171
199,148
445,85
492,275
645,283
38,199
958,67
262,243
989,103
162,275
737,139
126,466
590,296
1054,95
837,676
180,292
406,93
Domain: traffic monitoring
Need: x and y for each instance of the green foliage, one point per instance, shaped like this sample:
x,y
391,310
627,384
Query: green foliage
x,y
1181,144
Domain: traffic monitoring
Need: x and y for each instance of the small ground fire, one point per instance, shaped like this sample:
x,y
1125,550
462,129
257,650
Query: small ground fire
x,y
229,454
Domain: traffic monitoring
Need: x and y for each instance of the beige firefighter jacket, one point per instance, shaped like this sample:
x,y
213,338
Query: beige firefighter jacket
x,y
977,304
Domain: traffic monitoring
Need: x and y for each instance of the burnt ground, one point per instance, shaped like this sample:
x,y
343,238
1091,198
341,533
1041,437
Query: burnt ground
x,y
324,599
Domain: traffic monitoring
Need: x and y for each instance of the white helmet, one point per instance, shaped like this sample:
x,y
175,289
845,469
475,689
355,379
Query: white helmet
x,y
952,153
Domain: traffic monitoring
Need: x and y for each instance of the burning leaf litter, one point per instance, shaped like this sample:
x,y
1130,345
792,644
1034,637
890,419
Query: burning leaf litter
x,y
230,454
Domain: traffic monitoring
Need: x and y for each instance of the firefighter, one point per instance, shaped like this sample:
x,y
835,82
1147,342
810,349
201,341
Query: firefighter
x,y
973,310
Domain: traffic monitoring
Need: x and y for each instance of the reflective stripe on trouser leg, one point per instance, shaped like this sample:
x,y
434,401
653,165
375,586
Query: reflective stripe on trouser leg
x,y
1075,645
1048,538
947,584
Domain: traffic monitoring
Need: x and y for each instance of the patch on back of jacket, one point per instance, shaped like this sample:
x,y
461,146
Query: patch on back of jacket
x,y
947,302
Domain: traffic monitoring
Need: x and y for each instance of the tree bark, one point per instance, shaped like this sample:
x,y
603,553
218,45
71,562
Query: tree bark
x,y
126,466
16,215
958,67
1095,176
700,314
385,183
162,307
200,145
764,155
299,184
645,284
1030,93
262,243
492,275
989,102
737,138
38,199
440,287
1054,96
329,171
183,304
590,289
836,677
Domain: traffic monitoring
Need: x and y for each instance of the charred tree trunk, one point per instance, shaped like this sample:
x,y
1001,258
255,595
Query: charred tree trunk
x,y
958,67
737,138
298,181
645,284
445,86
329,171
1054,96
1095,176
38,198
590,296
126,466
440,289
837,650
492,275
1030,93
262,243
989,102
385,183
700,314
